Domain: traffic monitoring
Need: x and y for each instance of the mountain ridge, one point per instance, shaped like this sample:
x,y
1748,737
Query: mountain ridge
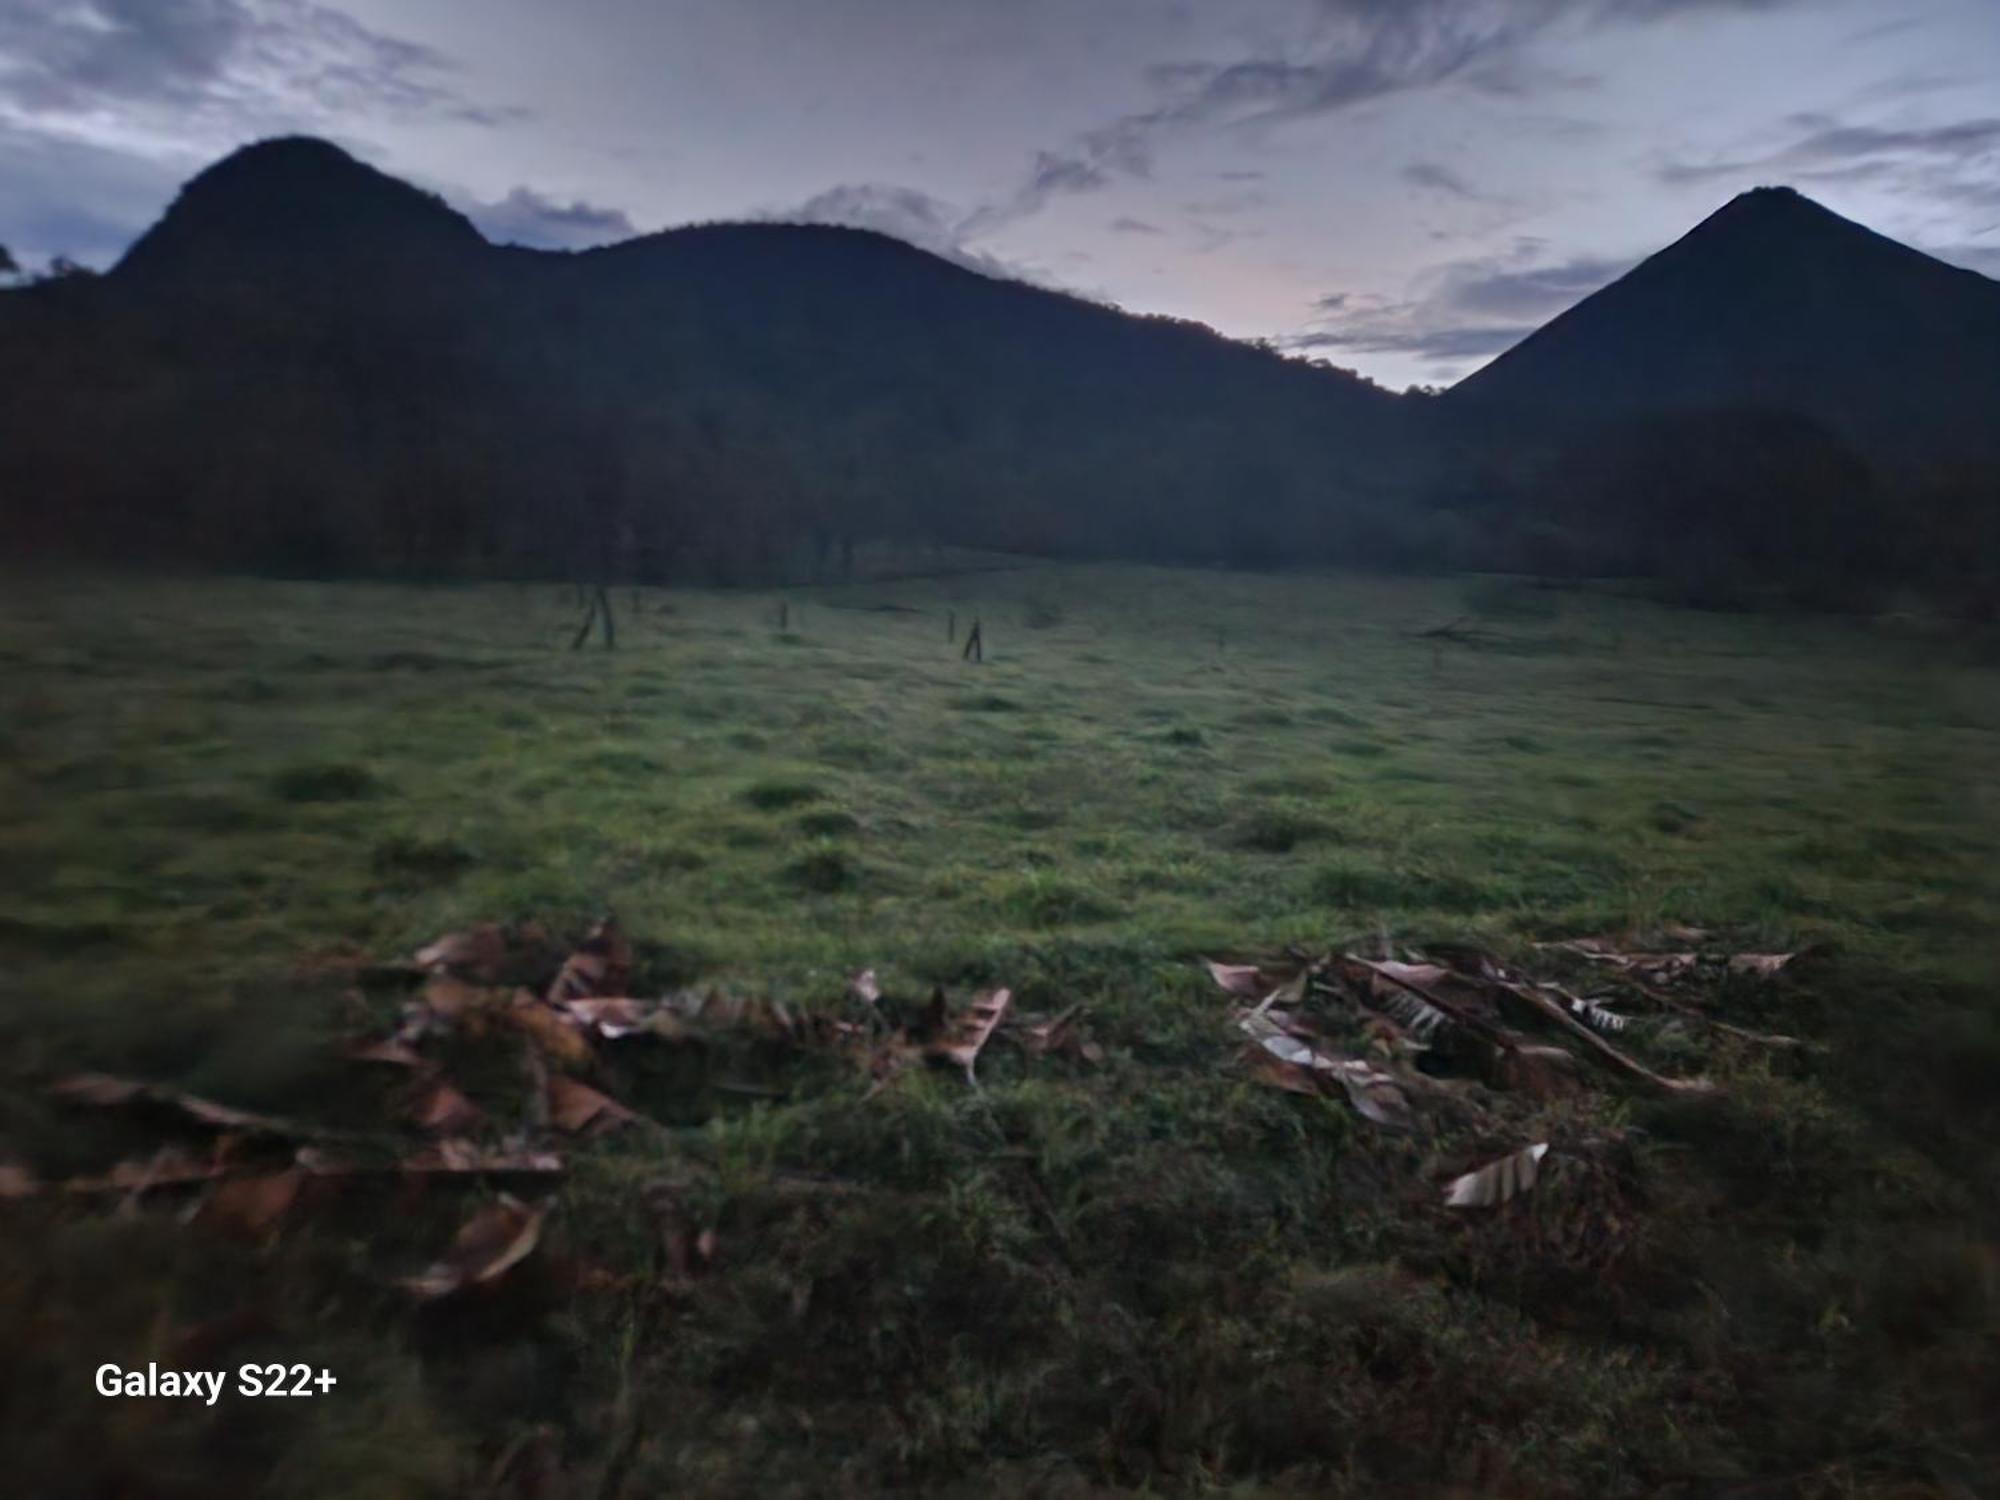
x,y
1776,301
309,363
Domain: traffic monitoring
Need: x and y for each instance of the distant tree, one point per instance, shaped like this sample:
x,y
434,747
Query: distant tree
x,y
62,268
9,267
1725,505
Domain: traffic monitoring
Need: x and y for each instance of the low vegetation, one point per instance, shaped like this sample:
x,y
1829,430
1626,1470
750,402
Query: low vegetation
x,y
232,812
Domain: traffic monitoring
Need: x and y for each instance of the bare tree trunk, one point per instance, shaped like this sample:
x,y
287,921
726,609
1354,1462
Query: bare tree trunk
x,y
975,649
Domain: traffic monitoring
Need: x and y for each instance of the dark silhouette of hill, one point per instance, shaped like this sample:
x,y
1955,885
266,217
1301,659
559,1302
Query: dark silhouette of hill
x,y
287,204
308,363
1776,303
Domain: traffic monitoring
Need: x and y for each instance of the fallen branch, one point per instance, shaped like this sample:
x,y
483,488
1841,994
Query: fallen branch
x,y
1621,1061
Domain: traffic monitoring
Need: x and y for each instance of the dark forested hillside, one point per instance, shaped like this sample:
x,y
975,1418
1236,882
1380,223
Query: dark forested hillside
x,y
309,364
1775,303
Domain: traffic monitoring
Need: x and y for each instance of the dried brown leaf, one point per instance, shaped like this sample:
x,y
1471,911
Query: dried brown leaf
x,y
252,1206
1454,1005
478,952
1762,965
601,965
99,1090
1543,1072
888,1062
1497,1181
1374,1093
491,1243
1041,1036
1266,1067
967,1032
576,1107
622,1017
442,1108
558,1034
449,998
17,1181
389,1050
1242,980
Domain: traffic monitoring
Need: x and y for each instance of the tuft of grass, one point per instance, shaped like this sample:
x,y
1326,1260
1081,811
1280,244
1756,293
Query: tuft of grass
x,y
1277,829
828,823
423,859
1350,883
1041,899
330,782
1674,817
776,795
987,703
825,868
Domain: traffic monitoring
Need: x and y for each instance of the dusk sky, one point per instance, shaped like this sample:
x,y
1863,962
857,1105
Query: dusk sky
x,y
1400,186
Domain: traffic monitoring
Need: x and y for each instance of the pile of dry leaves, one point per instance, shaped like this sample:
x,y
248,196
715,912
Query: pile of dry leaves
x,y
491,984
1390,1036
1393,1036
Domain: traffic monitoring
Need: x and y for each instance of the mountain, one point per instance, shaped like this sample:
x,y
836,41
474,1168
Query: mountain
x,y
295,202
310,364
1775,303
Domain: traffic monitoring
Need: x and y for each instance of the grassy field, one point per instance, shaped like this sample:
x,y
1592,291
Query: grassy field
x,y
1148,1273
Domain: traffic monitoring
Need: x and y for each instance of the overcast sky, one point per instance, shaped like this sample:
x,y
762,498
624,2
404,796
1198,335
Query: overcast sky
x,y
1401,186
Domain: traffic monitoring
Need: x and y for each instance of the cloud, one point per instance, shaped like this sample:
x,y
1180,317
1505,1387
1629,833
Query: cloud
x,y
1431,343
526,217
1536,292
1466,309
68,198
904,213
69,58
135,74
1228,203
1366,49
1828,147
1349,53
1123,225
1052,175
1956,164
1438,178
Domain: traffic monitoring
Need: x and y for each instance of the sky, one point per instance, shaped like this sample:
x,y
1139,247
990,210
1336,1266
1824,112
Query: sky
x,y
1403,187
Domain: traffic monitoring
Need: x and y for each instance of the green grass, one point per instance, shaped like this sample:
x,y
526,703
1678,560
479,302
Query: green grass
x,y
1146,1276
